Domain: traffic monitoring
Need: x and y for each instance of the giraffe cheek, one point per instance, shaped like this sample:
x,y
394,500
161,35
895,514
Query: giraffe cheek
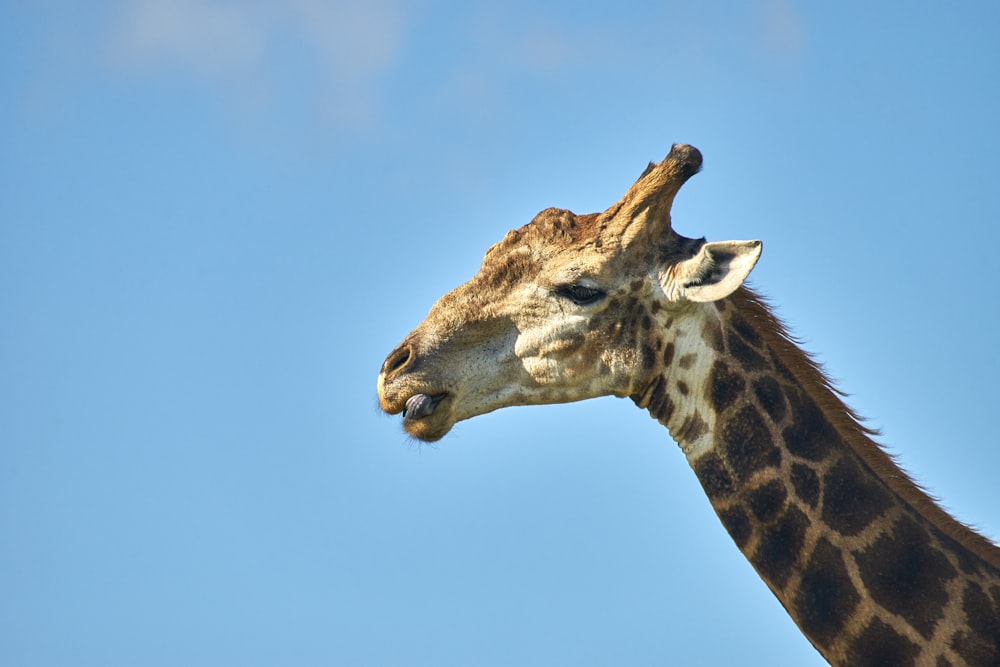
x,y
566,371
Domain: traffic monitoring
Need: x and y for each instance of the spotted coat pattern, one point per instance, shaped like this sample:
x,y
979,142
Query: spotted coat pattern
x,y
867,577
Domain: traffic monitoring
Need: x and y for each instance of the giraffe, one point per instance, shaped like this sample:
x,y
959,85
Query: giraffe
x,y
571,307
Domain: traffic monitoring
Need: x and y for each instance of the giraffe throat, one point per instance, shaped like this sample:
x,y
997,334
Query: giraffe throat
x,y
677,395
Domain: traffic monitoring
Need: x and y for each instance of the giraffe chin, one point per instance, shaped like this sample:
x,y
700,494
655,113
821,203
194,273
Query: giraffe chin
x,y
427,429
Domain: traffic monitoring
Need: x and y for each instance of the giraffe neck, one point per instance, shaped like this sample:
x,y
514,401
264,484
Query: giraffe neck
x,y
867,565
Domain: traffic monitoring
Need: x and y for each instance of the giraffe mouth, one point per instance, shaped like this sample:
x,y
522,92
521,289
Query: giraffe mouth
x,y
423,419
419,406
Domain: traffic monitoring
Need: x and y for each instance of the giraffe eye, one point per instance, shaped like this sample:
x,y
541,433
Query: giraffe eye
x,y
581,295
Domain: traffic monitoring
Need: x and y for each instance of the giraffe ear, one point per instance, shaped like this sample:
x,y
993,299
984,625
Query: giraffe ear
x,y
715,271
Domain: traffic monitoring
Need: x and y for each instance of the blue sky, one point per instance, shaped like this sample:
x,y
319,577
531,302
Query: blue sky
x,y
217,218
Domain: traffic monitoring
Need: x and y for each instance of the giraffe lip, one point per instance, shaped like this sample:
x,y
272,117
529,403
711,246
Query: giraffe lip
x,y
419,406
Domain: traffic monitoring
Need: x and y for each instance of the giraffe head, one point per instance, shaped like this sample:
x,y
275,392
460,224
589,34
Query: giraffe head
x,y
562,309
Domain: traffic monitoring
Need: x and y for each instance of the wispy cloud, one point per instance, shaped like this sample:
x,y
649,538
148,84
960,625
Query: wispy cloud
x,y
346,45
358,39
204,37
784,30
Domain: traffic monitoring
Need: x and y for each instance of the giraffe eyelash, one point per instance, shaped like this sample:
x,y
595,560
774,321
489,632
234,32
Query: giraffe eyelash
x,y
581,295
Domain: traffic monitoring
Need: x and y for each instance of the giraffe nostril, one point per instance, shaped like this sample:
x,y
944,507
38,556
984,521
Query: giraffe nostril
x,y
395,361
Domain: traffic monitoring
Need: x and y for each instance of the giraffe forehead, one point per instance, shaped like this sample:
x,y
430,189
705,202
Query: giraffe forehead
x,y
555,232
546,265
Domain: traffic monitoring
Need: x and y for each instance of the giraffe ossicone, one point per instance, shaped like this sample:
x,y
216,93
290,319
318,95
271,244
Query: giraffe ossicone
x,y
570,307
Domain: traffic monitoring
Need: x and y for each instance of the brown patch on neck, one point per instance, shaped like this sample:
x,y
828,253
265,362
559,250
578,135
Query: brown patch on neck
x,y
809,374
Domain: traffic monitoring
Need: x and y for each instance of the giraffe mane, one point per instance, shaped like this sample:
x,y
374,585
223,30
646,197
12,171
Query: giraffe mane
x,y
851,427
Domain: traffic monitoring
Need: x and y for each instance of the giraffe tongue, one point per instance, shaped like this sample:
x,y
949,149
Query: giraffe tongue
x,y
419,406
